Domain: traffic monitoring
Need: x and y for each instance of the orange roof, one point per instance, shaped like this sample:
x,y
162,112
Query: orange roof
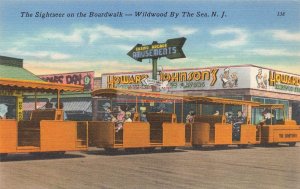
x,y
115,92
272,106
216,100
40,86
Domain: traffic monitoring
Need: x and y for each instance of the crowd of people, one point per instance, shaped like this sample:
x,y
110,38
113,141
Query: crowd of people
x,y
235,119
118,114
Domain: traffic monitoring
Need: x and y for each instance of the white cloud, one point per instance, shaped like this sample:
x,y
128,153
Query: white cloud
x,y
100,31
38,54
273,52
284,35
123,47
48,67
239,39
184,31
121,33
74,37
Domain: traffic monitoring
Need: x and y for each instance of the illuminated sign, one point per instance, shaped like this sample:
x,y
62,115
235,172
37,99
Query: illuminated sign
x,y
171,49
112,81
173,80
85,79
275,78
214,78
191,76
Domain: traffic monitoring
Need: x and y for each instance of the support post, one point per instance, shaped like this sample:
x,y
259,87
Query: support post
x,y
154,72
58,99
35,100
182,111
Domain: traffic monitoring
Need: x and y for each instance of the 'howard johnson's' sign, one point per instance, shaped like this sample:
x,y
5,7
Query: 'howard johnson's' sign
x,y
231,77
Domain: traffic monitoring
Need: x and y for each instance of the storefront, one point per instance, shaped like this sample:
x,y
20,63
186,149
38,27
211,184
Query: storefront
x,y
11,101
77,106
245,82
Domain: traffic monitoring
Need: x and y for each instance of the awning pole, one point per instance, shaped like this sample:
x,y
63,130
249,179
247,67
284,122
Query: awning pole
x,y
248,108
35,100
284,115
174,107
58,99
200,109
197,113
136,104
182,111
271,115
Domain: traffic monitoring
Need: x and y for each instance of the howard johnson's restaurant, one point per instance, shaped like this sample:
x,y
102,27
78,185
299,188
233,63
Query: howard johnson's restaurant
x,y
243,82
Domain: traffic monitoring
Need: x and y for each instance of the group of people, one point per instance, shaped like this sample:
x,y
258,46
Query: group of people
x,y
236,121
119,115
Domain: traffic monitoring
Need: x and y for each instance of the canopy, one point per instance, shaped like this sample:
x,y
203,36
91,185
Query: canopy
x,y
215,100
272,106
39,86
115,92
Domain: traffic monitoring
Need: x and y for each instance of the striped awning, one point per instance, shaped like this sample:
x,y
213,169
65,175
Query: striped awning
x,y
39,86
71,106
78,106
29,106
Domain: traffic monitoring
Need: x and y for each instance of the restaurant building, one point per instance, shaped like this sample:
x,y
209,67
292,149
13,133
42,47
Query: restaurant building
x,y
243,82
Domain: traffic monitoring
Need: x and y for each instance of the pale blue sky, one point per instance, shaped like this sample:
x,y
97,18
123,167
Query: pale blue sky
x,y
252,33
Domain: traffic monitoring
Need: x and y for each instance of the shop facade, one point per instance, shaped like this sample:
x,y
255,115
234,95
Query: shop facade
x,y
77,105
11,101
244,82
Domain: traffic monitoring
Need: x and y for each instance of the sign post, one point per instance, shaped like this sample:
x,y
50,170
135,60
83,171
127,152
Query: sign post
x,y
154,68
172,49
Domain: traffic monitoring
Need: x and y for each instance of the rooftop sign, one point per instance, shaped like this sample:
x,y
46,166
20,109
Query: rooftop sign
x,y
171,49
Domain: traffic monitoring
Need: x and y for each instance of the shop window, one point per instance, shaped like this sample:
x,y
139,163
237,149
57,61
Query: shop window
x,y
257,113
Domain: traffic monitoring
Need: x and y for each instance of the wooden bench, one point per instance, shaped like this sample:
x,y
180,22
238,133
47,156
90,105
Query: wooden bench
x,y
29,131
161,117
156,120
48,114
211,120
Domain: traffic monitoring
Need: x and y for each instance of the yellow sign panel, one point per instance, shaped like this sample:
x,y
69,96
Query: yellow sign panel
x,y
19,108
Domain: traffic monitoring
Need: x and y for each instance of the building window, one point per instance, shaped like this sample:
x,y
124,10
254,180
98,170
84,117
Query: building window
x,y
257,113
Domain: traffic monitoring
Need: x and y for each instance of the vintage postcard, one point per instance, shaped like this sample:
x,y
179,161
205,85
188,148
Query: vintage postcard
x,y
149,94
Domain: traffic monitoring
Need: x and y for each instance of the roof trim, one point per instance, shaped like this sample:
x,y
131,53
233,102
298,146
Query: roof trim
x,y
215,100
38,85
111,92
272,106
